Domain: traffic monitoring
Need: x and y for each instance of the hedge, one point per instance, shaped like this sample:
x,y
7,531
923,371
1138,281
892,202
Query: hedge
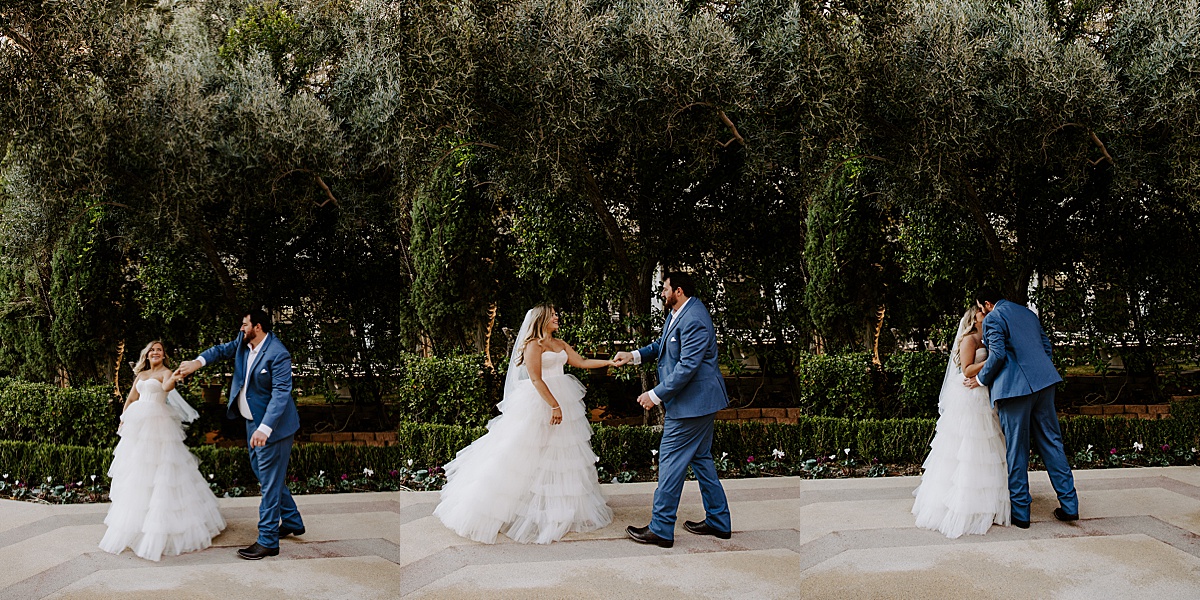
x,y
40,412
619,448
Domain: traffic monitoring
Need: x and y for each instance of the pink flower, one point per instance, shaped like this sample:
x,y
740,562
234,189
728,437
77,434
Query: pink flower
x,y
1166,447
749,459
343,476
1113,451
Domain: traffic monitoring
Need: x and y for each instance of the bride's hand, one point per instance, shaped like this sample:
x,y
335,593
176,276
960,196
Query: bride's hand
x,y
556,415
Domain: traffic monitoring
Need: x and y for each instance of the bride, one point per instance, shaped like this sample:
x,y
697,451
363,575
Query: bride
x,y
965,485
160,502
532,476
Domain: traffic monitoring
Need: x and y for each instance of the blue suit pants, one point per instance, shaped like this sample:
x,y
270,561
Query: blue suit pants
x,y
270,463
1032,418
687,442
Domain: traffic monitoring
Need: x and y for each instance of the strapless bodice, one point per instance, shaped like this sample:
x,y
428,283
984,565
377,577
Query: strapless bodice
x,y
552,363
981,354
151,389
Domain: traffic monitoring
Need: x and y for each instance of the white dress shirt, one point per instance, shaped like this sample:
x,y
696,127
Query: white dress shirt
x,y
637,356
243,405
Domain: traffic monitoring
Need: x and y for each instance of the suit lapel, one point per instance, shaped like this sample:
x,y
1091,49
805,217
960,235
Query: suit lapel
x,y
673,324
262,350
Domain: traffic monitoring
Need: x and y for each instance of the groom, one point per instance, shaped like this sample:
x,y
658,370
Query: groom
x,y
261,394
1021,376
691,391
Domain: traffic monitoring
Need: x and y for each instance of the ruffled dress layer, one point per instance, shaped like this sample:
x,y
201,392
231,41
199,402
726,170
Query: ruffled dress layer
x,y
965,486
161,504
526,478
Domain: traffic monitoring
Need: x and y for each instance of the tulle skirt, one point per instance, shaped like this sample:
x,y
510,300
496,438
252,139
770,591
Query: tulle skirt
x,y
161,504
526,478
965,486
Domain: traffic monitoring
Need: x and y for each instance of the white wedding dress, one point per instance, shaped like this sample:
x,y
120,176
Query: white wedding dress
x,y
965,485
161,504
529,479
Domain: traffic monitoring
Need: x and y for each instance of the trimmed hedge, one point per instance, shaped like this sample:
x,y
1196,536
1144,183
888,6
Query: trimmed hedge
x,y
40,412
619,448
458,390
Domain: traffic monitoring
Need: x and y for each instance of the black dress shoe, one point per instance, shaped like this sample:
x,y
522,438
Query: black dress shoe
x,y
256,552
1020,523
284,532
643,535
702,528
1063,515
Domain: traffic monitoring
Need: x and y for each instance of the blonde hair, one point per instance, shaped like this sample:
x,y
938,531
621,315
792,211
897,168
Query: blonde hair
x,y
142,361
539,329
965,325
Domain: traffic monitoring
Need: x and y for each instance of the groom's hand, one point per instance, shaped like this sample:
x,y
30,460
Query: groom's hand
x,y
645,401
186,368
622,358
258,440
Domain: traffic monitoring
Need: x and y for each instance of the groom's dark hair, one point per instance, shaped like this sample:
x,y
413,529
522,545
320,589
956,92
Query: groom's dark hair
x,y
259,316
988,293
682,281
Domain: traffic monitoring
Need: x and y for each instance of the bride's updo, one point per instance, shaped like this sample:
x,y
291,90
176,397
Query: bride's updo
x,y
143,362
539,329
965,325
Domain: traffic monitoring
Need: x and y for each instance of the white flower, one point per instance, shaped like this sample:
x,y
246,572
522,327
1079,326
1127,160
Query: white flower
x,y
1138,446
832,456
6,475
777,453
80,482
1193,450
368,472
725,454
410,462
49,479
654,453
1089,446
94,478
847,451
210,476
321,474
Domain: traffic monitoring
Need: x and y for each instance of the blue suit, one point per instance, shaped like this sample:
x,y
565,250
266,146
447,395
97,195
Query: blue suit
x,y
269,396
1020,374
692,390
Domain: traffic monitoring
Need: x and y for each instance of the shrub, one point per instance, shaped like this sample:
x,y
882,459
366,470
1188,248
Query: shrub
x,y
841,385
39,412
456,390
915,379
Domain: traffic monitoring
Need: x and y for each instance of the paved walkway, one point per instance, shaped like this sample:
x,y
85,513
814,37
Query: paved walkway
x,y
1139,538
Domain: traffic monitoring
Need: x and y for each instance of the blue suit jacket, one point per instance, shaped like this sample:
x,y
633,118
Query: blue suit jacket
x,y
1019,359
269,393
689,377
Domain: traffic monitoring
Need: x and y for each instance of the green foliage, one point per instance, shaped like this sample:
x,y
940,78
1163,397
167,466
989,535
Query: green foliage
x,y
43,413
455,240
916,380
33,462
453,390
844,252
839,385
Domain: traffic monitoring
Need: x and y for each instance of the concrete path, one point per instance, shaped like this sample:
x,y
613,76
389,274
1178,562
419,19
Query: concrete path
x,y
1139,538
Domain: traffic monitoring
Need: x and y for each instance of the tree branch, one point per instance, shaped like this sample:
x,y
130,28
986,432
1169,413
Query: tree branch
x,y
995,250
1092,134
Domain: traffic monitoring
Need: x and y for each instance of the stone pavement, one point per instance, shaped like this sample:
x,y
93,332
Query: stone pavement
x,y
794,538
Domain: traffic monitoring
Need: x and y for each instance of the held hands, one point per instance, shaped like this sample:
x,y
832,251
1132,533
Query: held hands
x,y
622,359
970,382
186,368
